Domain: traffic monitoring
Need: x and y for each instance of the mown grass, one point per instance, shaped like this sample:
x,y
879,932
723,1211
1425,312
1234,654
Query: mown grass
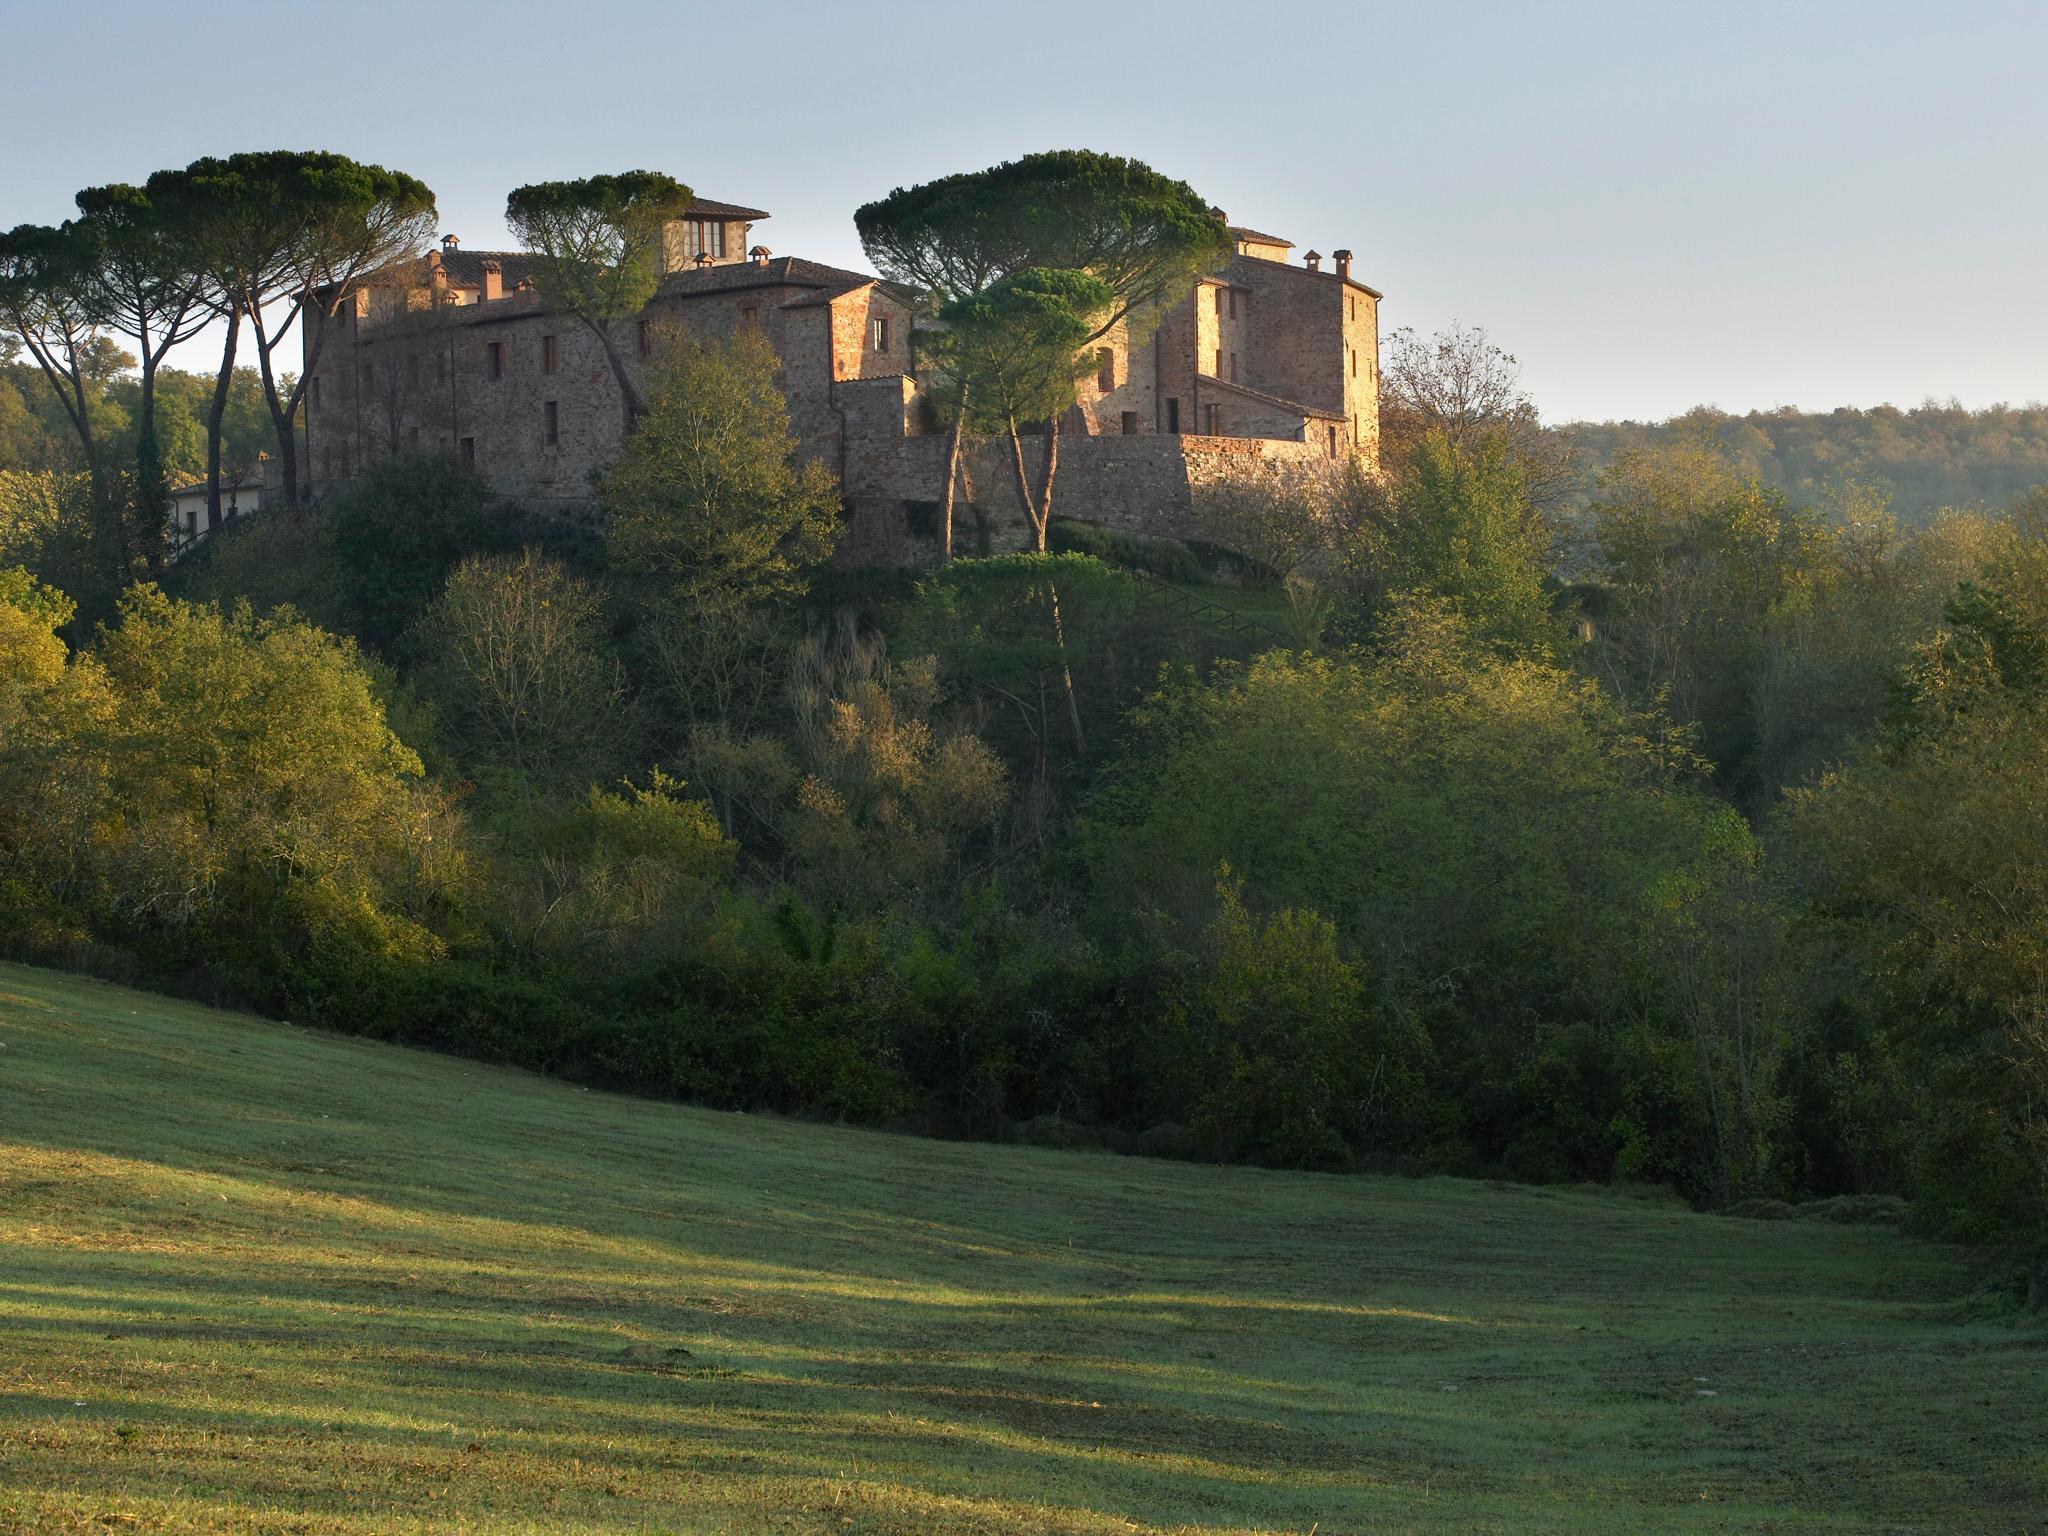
x,y
258,1279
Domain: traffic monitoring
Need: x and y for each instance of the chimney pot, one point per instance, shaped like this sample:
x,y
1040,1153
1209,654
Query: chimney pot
x,y
703,259
1343,260
1314,261
760,253
449,242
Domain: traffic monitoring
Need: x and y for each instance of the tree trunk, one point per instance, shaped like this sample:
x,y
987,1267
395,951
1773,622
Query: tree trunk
x,y
280,419
633,402
216,414
1017,465
952,476
1059,636
1041,516
151,494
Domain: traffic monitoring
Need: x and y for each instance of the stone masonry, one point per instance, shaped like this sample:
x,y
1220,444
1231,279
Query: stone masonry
x,y
459,354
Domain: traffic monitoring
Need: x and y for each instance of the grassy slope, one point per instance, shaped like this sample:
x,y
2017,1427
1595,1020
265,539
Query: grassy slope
x,y
260,1279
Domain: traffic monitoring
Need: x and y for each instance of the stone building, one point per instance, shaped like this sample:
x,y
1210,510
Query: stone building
x,y
458,353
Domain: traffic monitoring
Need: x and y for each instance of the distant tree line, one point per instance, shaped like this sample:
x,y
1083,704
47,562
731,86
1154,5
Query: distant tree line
x,y
1923,459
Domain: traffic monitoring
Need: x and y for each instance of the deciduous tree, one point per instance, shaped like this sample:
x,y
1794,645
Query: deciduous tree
x,y
705,505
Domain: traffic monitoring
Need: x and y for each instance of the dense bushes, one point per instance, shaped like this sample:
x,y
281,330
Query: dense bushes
x,y
999,848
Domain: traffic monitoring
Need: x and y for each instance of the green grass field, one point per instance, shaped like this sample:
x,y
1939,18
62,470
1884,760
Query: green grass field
x,y
259,1279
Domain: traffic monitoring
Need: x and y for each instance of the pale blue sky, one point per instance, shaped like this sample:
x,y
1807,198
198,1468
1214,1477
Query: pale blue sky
x,y
1652,204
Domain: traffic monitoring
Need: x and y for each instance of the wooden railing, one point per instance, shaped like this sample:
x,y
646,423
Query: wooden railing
x,y
1178,600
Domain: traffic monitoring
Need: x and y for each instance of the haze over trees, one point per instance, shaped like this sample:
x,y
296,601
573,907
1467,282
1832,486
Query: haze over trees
x,y
1925,458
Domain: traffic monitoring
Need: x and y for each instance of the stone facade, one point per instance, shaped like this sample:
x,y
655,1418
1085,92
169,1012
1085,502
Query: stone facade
x,y
459,354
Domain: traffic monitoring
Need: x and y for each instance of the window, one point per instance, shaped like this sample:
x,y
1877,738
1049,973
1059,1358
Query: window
x,y
1333,442
879,332
550,354
921,519
646,338
1353,302
750,314
1218,369
1233,303
1105,369
1172,415
494,359
1354,362
1130,423
469,453
703,237
551,421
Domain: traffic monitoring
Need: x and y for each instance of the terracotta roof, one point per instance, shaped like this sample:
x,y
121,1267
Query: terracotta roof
x,y
775,272
1258,239
1286,405
465,269
710,208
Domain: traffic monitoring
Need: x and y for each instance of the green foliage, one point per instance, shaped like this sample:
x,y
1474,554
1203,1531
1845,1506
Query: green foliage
x,y
1278,1016
1017,343
1456,528
1488,834
1928,458
223,783
276,232
705,506
1924,866
1141,234
597,251
1699,559
1167,559
890,808
369,560
515,655
597,240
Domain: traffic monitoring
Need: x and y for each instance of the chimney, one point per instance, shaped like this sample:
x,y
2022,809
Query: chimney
x,y
1314,259
494,282
448,245
1343,260
760,253
703,260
